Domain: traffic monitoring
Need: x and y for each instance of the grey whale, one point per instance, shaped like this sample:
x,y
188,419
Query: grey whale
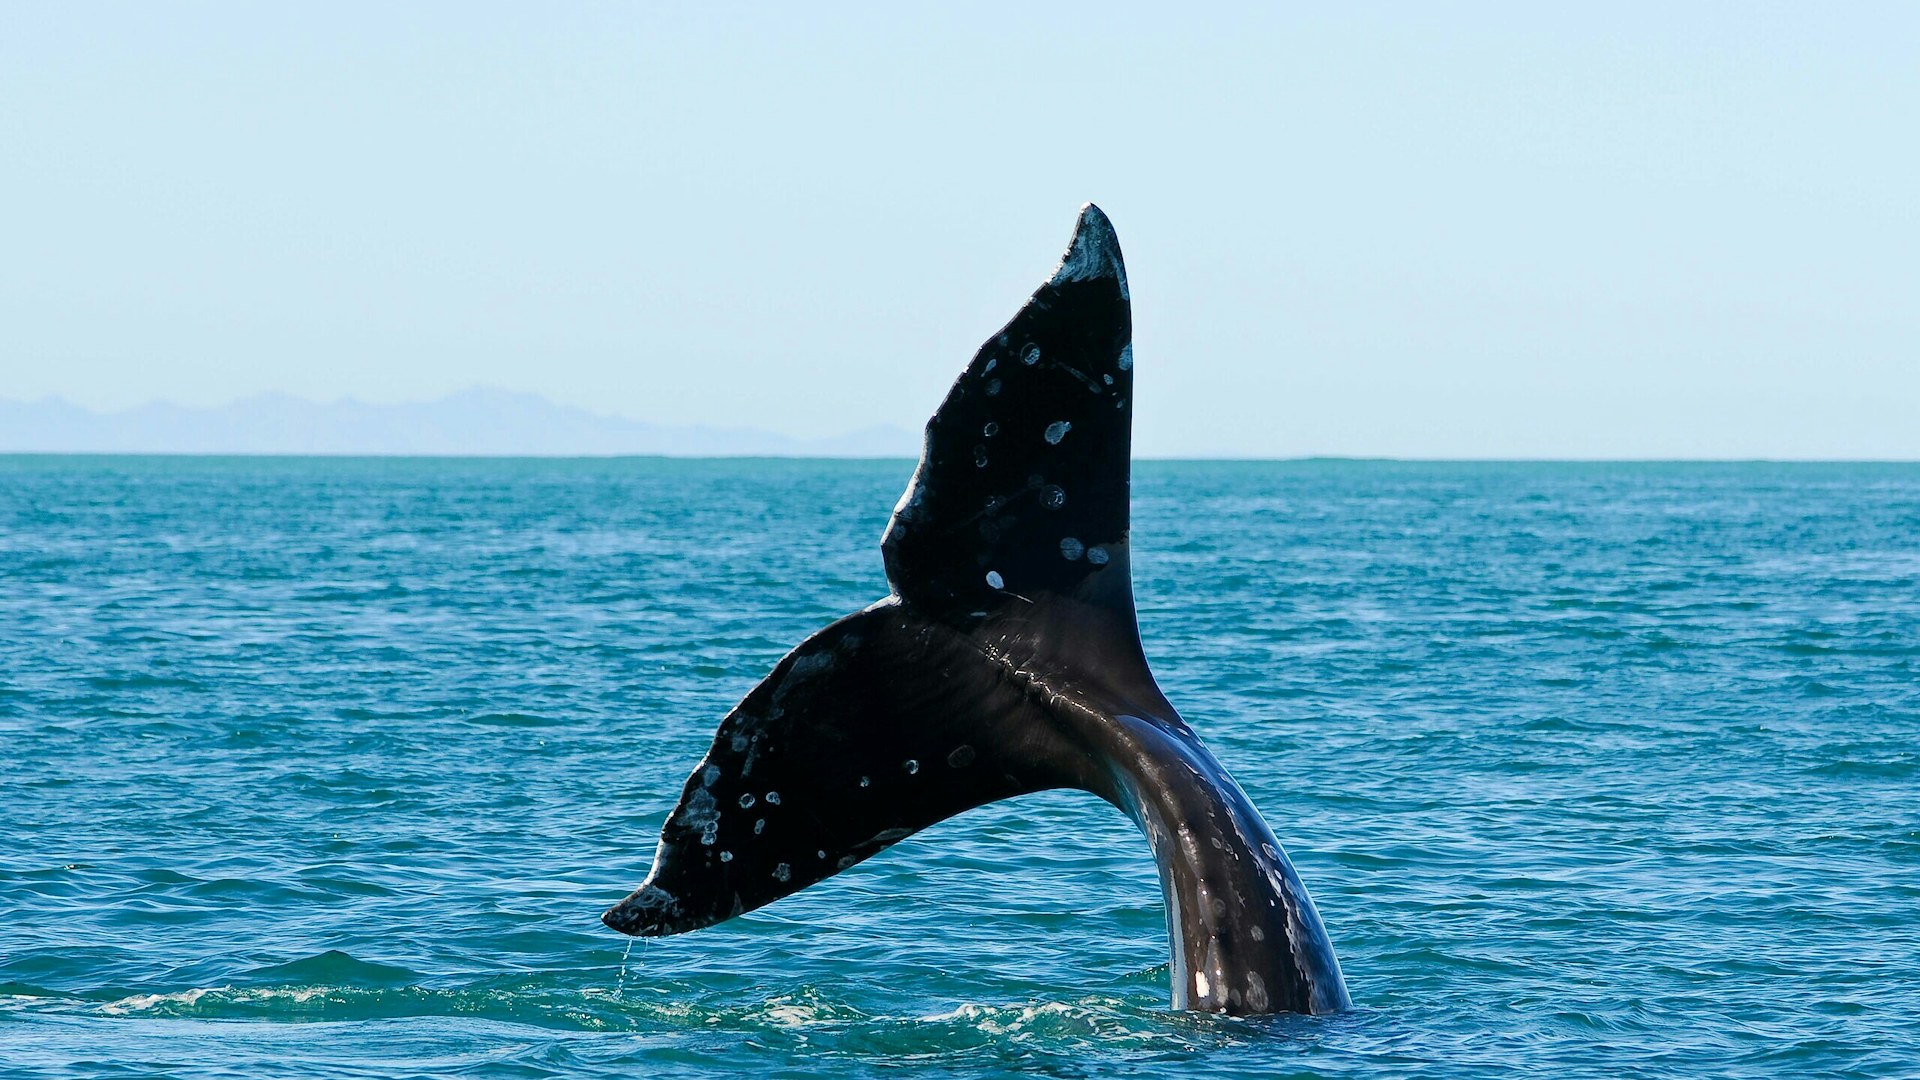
x,y
1006,660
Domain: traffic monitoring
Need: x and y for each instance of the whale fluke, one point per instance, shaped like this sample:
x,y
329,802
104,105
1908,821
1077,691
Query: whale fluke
x,y
1006,660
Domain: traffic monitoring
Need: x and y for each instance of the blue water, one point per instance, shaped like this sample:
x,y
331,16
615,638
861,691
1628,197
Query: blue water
x,y
328,767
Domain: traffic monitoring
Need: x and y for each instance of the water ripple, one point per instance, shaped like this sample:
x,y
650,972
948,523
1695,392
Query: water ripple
x,y
326,767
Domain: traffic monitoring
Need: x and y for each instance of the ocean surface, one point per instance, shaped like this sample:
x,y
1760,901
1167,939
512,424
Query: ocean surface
x,y
329,766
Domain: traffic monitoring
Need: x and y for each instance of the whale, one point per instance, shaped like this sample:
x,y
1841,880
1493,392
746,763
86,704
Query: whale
x,y
1006,659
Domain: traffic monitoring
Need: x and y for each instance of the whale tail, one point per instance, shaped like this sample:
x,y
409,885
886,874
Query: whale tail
x,y
1006,660
923,706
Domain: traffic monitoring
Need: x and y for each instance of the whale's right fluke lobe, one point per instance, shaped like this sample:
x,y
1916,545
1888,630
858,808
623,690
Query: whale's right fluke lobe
x,y
1022,487
1015,526
1007,660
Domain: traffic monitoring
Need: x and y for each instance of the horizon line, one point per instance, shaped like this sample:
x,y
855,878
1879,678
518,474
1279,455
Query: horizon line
x,y
1350,459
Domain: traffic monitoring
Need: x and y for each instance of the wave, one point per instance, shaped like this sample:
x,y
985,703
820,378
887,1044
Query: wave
x,y
807,1013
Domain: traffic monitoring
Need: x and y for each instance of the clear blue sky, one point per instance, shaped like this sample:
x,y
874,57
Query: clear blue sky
x,y
1489,230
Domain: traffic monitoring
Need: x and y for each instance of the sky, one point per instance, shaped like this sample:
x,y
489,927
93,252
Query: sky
x,y
1466,230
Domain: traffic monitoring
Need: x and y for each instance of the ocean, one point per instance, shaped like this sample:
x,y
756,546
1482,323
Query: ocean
x,y
327,767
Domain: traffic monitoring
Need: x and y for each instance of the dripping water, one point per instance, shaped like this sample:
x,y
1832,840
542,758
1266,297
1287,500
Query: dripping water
x,y
620,989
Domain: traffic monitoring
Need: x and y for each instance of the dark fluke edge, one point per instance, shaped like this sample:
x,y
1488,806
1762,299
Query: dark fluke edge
x,y
1007,660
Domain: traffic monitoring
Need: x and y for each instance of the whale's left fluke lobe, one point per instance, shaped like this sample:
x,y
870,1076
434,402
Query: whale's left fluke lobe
x,y
871,730
1006,660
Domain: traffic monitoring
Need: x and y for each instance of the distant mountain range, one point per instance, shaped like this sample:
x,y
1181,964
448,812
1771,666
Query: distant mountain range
x,y
472,422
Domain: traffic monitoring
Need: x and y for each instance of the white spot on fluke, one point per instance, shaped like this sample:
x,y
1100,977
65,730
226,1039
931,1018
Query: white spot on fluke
x,y
746,800
1057,431
1126,359
990,430
1256,991
961,757
773,798
866,781
782,872
726,856
912,766
993,387
995,581
759,825
699,811
1071,548
1053,496
1031,355
1097,555
979,457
